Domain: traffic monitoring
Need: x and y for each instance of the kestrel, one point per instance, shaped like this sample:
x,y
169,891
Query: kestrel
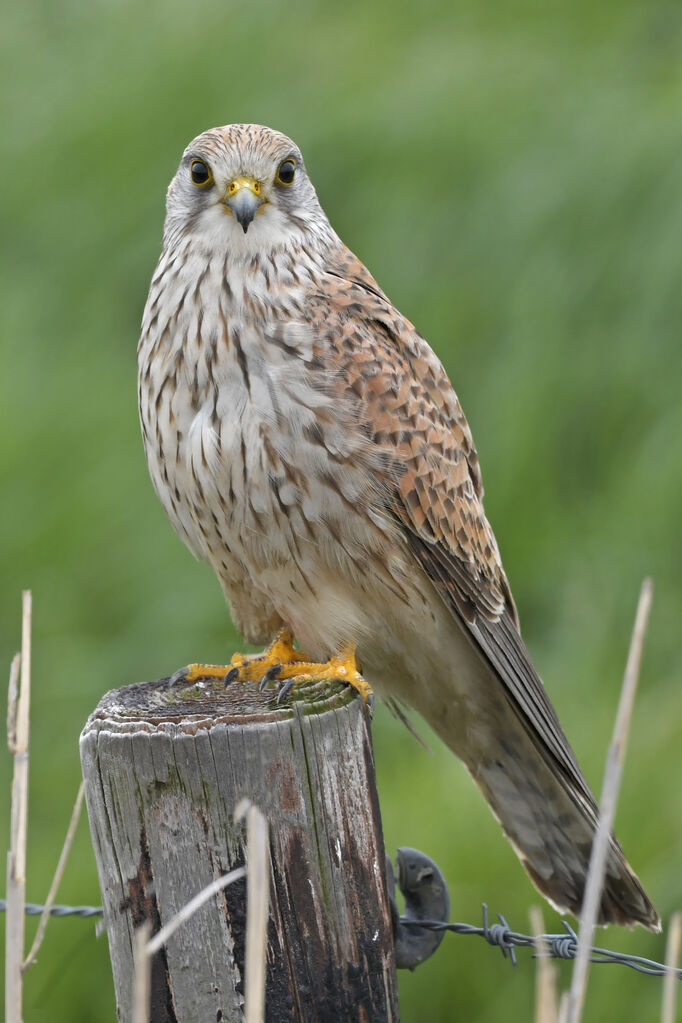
x,y
307,443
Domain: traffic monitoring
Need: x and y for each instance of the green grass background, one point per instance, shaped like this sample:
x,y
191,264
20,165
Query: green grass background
x,y
510,172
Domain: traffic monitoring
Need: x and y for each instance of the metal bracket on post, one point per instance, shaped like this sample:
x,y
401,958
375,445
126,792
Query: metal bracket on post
x,y
426,898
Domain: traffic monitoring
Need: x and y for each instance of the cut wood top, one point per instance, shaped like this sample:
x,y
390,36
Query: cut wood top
x,y
154,706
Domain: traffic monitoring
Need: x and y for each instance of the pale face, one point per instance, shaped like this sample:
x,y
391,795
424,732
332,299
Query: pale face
x,y
243,188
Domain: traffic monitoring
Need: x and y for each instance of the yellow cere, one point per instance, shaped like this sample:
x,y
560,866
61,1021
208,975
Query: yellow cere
x,y
242,182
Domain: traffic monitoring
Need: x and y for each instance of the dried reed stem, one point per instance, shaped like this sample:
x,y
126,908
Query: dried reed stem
x,y
146,947
142,974
607,808
257,908
545,978
563,1007
672,956
54,887
12,700
18,736
162,936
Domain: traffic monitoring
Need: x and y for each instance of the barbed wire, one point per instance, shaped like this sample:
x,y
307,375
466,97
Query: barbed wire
x,y
33,909
499,935
559,946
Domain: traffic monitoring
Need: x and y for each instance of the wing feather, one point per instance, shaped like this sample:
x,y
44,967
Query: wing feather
x,y
411,410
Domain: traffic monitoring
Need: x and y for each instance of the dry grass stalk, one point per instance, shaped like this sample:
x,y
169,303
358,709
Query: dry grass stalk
x,y
546,976
12,700
54,887
162,936
563,1007
146,947
257,909
607,811
258,892
142,977
672,957
18,737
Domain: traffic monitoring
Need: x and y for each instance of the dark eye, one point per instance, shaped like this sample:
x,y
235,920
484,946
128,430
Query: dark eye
x,y
286,171
200,173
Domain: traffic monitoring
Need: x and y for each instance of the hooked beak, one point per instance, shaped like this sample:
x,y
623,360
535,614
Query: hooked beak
x,y
243,198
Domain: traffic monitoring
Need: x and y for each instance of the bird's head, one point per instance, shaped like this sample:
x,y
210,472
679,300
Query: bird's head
x,y
243,187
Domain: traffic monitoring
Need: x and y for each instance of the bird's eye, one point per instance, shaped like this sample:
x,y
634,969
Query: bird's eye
x,y
286,171
200,173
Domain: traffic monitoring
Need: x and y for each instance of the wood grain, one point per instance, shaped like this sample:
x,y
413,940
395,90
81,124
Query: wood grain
x,y
164,771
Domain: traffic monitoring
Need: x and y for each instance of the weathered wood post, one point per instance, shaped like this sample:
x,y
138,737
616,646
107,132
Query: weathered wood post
x,y
164,771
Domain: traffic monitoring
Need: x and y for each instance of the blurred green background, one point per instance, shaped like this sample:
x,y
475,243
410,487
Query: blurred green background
x,y
510,172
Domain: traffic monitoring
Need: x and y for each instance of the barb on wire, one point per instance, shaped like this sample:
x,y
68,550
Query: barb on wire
x,y
559,946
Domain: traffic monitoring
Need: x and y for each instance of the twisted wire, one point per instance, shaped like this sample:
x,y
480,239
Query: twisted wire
x,y
559,946
498,935
33,909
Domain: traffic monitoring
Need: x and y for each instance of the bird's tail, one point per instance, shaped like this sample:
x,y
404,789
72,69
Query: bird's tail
x,y
551,827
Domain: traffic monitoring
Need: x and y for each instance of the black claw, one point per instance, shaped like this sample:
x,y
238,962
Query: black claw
x,y
231,676
285,690
178,677
270,675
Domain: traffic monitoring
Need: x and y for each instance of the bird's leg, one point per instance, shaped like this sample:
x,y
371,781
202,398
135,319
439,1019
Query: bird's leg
x,y
246,667
343,667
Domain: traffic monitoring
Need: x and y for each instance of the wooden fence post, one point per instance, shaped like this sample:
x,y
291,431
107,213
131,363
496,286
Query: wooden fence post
x,y
164,771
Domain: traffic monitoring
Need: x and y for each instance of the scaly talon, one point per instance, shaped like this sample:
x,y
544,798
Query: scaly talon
x,y
285,690
231,676
270,675
178,677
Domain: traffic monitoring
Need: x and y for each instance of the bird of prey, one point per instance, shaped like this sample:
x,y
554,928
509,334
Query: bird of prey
x,y
307,443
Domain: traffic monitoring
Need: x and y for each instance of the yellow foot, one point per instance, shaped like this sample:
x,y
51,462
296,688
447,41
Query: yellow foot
x,y
282,664
245,667
342,667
